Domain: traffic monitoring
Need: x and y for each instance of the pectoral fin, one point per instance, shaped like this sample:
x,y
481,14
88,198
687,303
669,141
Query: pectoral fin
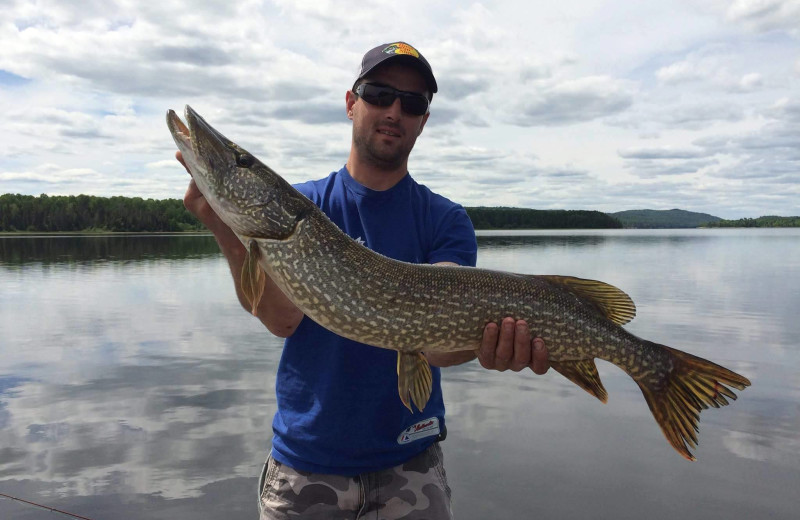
x,y
584,374
414,379
253,277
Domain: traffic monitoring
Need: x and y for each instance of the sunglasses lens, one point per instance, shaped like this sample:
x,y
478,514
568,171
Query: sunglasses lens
x,y
414,104
375,95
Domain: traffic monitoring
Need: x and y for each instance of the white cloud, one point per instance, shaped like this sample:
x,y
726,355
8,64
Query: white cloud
x,y
663,152
751,81
541,104
571,101
680,72
766,15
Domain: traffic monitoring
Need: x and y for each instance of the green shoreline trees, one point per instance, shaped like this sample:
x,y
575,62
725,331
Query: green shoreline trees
x,y
87,213
47,213
765,221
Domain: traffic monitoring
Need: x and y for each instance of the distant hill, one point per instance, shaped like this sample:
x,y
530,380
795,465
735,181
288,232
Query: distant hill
x,y
672,218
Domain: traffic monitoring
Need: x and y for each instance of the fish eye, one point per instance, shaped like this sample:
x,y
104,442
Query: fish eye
x,y
244,160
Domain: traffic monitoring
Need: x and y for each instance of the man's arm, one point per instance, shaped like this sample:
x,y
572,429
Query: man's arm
x,y
274,310
507,347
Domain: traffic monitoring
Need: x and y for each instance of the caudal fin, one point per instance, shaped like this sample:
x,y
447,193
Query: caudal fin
x,y
693,385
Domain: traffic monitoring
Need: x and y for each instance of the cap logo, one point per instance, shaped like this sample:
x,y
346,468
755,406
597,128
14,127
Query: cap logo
x,y
401,48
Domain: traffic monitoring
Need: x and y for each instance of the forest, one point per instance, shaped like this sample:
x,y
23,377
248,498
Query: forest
x,y
522,218
86,213
765,221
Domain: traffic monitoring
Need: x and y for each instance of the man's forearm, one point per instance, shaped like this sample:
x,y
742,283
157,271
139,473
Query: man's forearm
x,y
275,310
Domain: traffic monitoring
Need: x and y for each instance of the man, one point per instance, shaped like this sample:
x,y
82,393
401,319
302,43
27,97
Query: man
x,y
344,445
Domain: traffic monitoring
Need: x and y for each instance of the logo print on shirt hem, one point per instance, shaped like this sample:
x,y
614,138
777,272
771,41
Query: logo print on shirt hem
x,y
425,428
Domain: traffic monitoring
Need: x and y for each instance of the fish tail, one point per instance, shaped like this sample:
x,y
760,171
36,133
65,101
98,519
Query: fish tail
x,y
692,385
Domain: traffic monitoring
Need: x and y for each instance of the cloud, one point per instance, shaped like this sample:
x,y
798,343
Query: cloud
x,y
657,168
679,72
787,109
766,15
51,174
531,97
751,81
664,152
166,163
311,112
457,88
571,101
682,116
198,54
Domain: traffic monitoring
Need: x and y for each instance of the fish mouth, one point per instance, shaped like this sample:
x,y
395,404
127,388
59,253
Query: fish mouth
x,y
178,128
193,135
182,133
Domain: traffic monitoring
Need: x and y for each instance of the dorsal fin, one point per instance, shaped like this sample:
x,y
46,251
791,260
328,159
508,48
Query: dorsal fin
x,y
611,301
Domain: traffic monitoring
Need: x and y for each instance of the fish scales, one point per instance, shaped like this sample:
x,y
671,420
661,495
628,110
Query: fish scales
x,y
412,308
408,290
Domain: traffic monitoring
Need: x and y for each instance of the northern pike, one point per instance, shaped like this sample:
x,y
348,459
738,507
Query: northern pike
x,y
415,308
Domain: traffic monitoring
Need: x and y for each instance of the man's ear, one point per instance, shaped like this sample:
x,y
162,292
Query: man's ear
x,y
349,100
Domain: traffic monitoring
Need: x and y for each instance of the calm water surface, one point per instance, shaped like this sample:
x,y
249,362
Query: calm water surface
x,y
133,386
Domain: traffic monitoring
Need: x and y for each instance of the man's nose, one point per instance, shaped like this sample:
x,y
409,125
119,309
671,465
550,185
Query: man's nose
x,y
395,110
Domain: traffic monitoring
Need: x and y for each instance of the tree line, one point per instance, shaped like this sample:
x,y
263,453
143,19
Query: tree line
x,y
73,213
523,218
47,213
765,221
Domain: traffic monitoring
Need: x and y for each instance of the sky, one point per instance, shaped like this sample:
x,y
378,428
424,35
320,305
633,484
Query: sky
x,y
576,104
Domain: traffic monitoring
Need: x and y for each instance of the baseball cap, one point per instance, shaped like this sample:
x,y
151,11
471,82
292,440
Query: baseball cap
x,y
398,52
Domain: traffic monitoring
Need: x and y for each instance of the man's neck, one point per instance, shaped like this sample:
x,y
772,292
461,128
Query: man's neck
x,y
373,177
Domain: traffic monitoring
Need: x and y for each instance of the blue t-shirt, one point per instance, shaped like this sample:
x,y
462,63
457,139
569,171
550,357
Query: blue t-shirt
x,y
339,411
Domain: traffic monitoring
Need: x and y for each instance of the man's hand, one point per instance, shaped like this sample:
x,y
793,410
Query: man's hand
x,y
509,347
229,244
274,310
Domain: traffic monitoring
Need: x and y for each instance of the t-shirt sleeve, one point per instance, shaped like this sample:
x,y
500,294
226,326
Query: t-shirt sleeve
x,y
454,239
310,190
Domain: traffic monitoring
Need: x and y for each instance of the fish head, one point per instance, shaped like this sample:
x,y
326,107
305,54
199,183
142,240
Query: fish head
x,y
246,194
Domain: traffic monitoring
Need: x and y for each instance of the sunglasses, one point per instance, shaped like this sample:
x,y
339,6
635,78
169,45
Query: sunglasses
x,y
383,96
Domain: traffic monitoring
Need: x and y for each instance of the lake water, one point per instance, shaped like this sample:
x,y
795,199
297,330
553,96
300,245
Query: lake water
x,y
132,385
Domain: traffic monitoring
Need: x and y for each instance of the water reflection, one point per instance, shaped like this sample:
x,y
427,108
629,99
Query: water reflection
x,y
133,386
65,249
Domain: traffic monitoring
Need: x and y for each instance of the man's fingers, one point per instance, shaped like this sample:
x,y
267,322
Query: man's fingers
x,y
522,347
179,156
191,195
509,346
539,364
488,345
505,345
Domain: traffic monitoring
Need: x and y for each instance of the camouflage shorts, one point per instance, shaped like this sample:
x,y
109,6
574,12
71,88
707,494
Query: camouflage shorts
x,y
415,490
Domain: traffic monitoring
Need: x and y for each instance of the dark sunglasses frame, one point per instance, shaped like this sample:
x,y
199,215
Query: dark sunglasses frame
x,y
412,103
